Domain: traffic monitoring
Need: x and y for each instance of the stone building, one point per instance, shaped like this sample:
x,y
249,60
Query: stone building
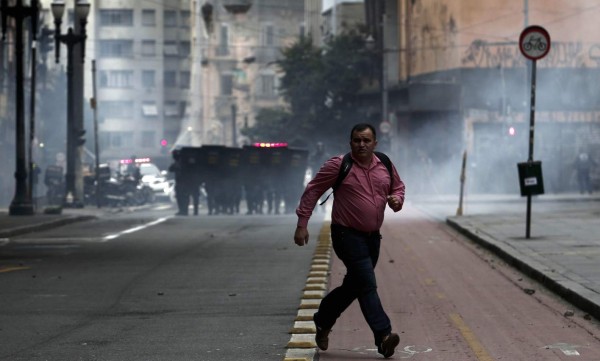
x,y
463,85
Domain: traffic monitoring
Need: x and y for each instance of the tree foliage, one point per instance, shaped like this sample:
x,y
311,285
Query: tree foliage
x,y
321,87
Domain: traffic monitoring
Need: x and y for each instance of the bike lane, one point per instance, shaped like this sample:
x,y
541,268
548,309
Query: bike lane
x,y
450,300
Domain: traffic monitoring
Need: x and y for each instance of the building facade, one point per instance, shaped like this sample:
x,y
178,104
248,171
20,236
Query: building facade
x,y
142,52
235,68
463,85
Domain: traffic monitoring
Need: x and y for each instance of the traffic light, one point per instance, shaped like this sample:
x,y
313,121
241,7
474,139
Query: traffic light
x,y
512,131
163,146
79,137
46,40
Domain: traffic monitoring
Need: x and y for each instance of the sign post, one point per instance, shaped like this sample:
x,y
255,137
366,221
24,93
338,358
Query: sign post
x,y
534,44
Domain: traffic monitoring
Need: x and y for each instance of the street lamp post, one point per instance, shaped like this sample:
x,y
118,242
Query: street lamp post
x,y
233,125
21,203
75,129
381,49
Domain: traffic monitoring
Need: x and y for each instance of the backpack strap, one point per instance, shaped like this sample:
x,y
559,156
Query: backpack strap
x,y
388,164
347,164
344,170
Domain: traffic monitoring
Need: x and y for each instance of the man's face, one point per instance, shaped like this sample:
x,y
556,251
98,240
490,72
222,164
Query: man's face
x,y
363,144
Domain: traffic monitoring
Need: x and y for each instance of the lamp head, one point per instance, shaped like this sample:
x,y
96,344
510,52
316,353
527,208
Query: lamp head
x,y
83,9
58,10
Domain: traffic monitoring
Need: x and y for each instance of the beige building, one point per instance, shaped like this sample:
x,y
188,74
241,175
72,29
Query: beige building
x,y
163,77
234,67
462,84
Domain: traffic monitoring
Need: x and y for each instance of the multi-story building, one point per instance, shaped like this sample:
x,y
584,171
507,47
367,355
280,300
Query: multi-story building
x,y
313,20
169,76
142,52
235,70
463,84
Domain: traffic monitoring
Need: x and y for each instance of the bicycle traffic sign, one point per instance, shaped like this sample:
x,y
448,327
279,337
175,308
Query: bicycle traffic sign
x,y
534,42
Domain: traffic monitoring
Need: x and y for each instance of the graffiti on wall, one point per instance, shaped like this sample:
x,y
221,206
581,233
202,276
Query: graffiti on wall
x,y
482,54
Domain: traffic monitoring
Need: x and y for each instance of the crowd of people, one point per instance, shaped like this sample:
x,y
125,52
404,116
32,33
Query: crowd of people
x,y
269,180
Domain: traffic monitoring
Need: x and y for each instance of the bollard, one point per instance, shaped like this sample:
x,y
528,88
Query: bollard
x,y
459,211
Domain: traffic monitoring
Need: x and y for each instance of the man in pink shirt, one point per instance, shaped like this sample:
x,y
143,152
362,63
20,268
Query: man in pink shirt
x,y
357,214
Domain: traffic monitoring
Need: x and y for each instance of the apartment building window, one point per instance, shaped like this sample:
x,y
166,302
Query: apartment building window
x,y
183,108
223,47
226,84
116,79
171,109
269,35
149,109
116,139
184,80
148,17
120,109
170,18
148,139
170,48
116,48
116,17
268,85
185,48
170,79
148,78
185,18
148,48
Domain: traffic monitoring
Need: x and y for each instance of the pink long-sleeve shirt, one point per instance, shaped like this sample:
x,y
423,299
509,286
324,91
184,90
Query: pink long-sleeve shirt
x,y
359,201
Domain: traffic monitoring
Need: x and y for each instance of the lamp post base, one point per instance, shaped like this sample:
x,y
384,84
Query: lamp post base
x,y
20,209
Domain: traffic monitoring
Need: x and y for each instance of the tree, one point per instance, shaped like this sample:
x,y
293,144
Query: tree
x,y
321,87
271,126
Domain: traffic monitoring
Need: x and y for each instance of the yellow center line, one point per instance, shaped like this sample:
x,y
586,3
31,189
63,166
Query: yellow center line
x,y
470,337
10,269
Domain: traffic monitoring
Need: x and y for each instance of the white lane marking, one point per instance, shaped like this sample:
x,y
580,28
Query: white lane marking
x,y
134,229
408,350
569,350
163,207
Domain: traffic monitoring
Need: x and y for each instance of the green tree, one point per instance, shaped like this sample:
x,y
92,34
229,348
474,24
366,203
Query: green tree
x,y
271,125
321,86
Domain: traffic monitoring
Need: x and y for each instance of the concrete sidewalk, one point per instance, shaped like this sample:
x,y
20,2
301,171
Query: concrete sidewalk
x,y
563,251
11,226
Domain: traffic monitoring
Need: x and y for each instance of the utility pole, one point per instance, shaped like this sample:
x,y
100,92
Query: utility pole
x,y
94,103
233,125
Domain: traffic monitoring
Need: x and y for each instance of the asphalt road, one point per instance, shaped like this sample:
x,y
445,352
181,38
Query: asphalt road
x,y
142,287
150,286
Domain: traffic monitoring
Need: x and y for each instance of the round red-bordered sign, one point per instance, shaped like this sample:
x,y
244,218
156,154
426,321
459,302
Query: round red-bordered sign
x,y
534,42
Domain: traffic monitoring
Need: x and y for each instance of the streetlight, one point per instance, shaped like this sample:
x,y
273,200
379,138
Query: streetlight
x,y
21,203
75,129
370,44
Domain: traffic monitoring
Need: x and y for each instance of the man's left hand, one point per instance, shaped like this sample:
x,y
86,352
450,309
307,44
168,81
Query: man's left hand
x,y
394,202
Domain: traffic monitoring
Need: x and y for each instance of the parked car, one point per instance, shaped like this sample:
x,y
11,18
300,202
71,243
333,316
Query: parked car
x,y
156,179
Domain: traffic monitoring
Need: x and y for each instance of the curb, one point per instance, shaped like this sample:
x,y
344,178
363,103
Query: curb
x,y
44,226
302,345
566,288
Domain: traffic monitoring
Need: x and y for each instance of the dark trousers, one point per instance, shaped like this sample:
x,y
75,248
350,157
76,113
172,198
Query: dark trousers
x,y
359,252
182,196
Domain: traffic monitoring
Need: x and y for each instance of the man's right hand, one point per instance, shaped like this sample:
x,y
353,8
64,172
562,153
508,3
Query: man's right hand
x,y
301,236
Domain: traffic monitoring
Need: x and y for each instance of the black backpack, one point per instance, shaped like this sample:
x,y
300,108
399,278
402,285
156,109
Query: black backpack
x,y
347,164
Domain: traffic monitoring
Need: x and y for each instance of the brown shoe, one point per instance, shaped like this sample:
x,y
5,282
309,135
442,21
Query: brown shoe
x,y
388,345
322,337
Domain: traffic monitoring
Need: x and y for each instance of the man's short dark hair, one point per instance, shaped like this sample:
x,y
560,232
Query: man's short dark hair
x,y
363,126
